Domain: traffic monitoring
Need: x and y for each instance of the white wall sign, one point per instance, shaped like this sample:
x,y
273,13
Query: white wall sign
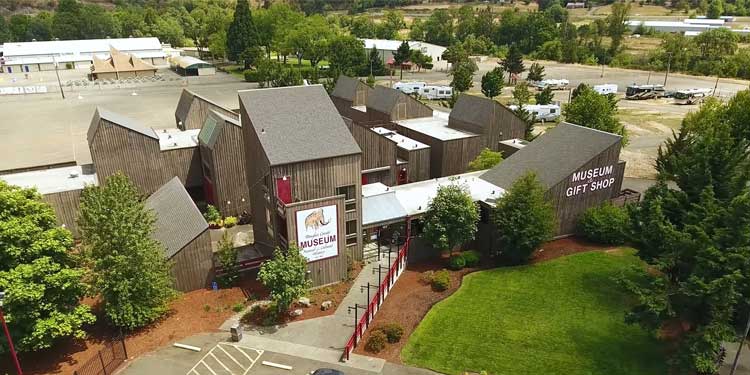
x,y
317,233
591,180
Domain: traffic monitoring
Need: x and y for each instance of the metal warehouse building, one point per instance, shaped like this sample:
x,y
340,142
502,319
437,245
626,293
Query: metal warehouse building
x,y
191,66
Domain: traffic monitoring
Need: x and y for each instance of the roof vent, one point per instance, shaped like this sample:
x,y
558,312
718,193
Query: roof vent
x,y
174,144
73,175
169,136
262,131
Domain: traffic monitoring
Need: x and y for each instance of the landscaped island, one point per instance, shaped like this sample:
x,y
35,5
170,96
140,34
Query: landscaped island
x,y
564,316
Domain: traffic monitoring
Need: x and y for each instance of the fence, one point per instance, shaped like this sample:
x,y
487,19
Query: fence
x,y
106,361
394,271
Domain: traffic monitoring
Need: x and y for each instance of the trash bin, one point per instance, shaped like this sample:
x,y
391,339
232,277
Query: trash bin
x,y
236,331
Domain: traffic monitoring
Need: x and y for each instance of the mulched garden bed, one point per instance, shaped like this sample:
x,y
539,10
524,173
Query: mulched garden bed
x,y
411,298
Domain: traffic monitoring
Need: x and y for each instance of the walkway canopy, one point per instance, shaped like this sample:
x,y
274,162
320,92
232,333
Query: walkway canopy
x,y
191,66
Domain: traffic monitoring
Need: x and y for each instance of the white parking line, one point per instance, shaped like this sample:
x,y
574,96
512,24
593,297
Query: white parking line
x,y
212,361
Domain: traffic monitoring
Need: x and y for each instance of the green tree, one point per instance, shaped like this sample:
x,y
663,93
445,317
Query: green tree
x,y
438,28
420,59
695,240
463,75
227,256
492,83
523,219
605,224
376,63
42,279
536,72
346,55
402,55
528,118
521,94
592,110
617,25
715,9
416,30
393,22
362,27
545,96
513,63
465,22
67,20
285,277
242,34
485,160
451,218
131,272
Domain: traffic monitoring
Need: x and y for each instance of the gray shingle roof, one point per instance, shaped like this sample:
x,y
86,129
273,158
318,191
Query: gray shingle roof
x,y
116,119
297,124
476,110
346,88
382,208
213,127
553,156
178,220
183,106
383,99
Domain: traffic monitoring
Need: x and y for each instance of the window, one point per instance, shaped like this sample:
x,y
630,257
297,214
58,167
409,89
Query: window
x,y
351,227
349,193
552,110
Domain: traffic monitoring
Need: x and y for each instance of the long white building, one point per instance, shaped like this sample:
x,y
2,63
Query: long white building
x,y
79,54
388,47
689,27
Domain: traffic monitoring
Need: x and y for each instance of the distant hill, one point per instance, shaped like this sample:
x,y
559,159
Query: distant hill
x,y
10,7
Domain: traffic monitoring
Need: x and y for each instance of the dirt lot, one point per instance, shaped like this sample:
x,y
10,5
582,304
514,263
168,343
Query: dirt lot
x,y
411,298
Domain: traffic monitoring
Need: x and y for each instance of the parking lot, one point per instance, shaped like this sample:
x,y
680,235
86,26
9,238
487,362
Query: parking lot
x,y
227,358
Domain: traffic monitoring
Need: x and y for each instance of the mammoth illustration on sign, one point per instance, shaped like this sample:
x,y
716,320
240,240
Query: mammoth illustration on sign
x,y
315,220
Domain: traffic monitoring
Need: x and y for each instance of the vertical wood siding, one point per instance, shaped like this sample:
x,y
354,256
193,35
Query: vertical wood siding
x,y
65,204
501,125
228,161
447,157
377,151
199,110
192,267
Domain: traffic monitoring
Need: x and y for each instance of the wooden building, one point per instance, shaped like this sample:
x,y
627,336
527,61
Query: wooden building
x,y
223,161
578,166
488,118
120,65
149,158
304,174
60,187
379,154
386,104
350,98
412,156
192,110
183,232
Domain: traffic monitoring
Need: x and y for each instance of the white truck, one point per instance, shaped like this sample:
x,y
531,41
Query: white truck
x,y
554,84
541,112
409,87
436,92
607,88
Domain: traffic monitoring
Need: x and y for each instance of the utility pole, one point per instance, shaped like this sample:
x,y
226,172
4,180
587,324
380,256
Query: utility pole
x,y
7,335
57,72
739,349
716,85
669,65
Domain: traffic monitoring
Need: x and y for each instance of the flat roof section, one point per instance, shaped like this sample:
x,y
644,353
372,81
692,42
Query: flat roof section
x,y
55,180
436,127
172,139
403,142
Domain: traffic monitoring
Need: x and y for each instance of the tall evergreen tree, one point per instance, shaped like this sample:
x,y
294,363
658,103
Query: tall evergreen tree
x,y
513,63
242,34
402,55
536,72
492,83
463,75
4,31
42,280
130,269
545,96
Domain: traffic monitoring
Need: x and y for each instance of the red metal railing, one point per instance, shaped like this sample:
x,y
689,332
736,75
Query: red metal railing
x,y
374,304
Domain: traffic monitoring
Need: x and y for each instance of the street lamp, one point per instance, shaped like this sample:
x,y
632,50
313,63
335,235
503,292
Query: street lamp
x,y
7,335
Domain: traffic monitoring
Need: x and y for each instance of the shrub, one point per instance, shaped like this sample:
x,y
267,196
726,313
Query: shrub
x,y
441,281
393,332
212,214
376,342
471,258
605,224
252,75
456,262
206,308
239,306
230,221
426,277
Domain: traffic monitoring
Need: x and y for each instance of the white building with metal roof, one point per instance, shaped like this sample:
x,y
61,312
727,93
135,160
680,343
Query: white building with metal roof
x,y
388,47
24,57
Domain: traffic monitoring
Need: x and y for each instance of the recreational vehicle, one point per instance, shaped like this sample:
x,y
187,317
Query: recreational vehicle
x,y
554,84
436,92
641,92
691,96
409,87
606,88
541,112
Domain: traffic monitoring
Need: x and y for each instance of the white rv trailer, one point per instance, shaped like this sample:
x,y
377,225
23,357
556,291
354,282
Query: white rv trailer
x,y
436,92
607,88
554,84
541,112
691,96
409,87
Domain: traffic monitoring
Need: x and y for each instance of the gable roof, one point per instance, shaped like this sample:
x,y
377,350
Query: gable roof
x,y
213,126
117,119
297,123
346,88
476,110
186,101
178,220
553,156
383,99
119,62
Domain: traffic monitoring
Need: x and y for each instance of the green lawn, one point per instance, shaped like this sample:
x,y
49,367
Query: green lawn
x,y
563,316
